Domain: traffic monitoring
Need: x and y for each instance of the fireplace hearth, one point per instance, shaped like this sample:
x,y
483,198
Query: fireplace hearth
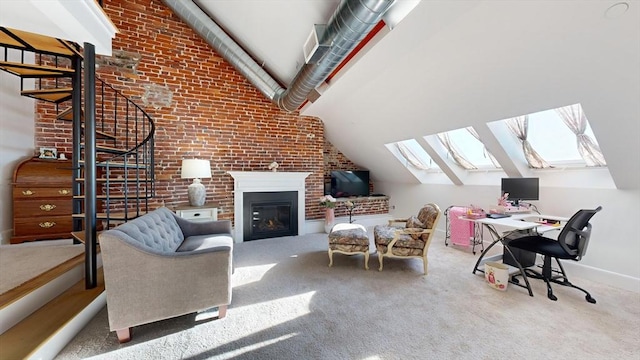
x,y
270,214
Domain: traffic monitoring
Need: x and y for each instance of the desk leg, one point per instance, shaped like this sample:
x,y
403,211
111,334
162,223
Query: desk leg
x,y
477,237
524,274
500,239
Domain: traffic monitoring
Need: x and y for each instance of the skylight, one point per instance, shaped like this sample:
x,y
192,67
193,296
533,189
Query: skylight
x,y
552,134
413,156
467,144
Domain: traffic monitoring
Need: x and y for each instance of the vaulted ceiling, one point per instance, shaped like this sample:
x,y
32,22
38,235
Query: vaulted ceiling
x,y
446,65
451,64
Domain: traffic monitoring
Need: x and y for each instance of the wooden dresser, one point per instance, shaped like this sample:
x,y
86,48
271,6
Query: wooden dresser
x,y
42,200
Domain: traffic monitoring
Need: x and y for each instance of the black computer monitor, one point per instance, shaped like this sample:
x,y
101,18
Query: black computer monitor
x,y
521,189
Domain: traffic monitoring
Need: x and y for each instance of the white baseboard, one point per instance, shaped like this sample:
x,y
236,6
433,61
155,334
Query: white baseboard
x,y
591,273
5,237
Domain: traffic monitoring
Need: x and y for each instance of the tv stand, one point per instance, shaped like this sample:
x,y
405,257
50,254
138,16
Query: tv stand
x,y
363,205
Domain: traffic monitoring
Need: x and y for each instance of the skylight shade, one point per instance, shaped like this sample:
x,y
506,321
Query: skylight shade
x,y
466,149
559,137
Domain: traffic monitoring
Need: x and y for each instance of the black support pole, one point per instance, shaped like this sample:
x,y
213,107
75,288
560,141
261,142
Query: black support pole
x,y
76,140
91,270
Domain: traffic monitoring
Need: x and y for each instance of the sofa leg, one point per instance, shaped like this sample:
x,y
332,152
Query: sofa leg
x,y
124,335
222,311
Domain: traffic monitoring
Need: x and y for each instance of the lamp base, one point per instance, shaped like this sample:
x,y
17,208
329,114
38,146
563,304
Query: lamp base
x,y
197,193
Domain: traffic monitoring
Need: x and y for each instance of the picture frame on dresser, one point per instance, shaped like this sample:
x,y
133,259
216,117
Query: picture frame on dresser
x,y
48,153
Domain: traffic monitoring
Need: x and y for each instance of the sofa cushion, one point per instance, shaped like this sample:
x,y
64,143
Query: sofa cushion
x,y
384,235
413,222
157,231
201,242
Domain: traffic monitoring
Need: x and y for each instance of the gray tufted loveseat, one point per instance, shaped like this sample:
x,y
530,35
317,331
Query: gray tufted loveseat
x,y
160,266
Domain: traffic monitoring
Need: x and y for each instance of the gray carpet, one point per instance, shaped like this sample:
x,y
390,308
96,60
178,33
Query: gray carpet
x,y
288,304
41,256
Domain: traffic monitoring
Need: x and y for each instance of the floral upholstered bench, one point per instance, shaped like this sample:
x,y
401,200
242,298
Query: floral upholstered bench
x,y
349,239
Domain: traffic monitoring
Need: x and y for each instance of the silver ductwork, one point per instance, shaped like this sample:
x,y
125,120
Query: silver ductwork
x,y
349,24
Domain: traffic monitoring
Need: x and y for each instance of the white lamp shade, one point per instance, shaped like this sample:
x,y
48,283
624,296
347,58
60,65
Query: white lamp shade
x,y
195,169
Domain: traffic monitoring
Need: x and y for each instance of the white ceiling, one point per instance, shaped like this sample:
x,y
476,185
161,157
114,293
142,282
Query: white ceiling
x,y
84,21
451,64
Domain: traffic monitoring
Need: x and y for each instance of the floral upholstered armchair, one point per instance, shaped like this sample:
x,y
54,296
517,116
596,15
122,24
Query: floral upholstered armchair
x,y
409,241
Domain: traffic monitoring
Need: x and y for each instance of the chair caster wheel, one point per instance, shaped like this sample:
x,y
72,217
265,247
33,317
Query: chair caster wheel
x,y
590,299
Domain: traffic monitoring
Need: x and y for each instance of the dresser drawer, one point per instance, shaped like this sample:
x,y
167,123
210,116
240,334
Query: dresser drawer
x,y
199,214
40,192
42,207
42,225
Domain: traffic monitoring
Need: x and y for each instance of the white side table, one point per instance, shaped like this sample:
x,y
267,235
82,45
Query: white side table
x,y
206,212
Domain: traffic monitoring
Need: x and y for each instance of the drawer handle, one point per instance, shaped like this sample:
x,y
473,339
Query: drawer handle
x,y
47,224
196,214
64,192
27,192
47,207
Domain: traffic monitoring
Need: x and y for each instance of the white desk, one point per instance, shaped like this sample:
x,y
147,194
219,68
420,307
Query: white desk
x,y
514,223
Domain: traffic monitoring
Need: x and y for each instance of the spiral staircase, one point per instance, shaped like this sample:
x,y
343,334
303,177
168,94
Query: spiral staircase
x,y
112,155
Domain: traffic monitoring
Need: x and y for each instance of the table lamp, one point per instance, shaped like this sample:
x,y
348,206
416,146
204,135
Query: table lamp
x,y
196,169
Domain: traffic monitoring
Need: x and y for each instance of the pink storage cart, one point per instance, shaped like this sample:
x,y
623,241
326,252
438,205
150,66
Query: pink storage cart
x,y
462,232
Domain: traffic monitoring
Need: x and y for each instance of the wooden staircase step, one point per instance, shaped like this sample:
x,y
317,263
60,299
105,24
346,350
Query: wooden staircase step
x,y
35,42
34,71
81,236
107,149
51,95
17,293
115,215
116,197
24,339
131,180
117,164
67,115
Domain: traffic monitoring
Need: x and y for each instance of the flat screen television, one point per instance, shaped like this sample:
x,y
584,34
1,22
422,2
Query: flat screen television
x,y
349,183
520,189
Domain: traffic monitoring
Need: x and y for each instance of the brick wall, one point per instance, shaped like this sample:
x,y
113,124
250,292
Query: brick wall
x,y
202,108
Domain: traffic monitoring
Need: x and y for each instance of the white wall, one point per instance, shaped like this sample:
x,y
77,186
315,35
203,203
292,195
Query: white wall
x,y
614,249
17,142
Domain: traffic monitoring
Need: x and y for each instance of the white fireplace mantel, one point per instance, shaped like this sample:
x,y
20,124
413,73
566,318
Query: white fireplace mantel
x,y
264,181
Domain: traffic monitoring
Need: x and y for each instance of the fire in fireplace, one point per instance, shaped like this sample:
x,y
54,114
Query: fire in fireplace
x,y
270,214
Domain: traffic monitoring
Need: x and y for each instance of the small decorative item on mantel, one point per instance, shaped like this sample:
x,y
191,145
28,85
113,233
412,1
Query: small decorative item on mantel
x,y
273,166
329,203
350,207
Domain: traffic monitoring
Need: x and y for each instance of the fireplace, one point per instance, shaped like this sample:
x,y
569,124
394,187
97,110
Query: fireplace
x,y
270,214
267,182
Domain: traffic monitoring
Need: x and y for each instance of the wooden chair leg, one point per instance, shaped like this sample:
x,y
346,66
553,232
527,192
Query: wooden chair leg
x,y
222,311
330,257
124,335
366,260
380,260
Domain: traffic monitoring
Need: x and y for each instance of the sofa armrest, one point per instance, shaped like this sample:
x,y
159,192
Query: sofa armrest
x,y
194,228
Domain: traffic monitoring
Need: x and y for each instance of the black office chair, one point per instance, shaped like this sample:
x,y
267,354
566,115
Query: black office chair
x,y
571,244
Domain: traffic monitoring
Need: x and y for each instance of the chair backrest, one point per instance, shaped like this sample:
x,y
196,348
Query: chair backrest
x,y
429,215
574,237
